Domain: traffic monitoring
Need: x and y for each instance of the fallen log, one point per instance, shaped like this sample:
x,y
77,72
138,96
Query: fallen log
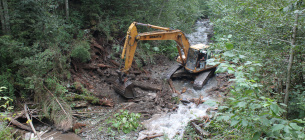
x,y
153,136
81,104
30,121
19,114
143,77
135,72
77,112
147,86
104,66
92,99
90,67
115,63
170,82
19,125
106,102
96,45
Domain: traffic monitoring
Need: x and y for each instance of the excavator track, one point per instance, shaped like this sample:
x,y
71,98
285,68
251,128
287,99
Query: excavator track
x,y
203,78
171,71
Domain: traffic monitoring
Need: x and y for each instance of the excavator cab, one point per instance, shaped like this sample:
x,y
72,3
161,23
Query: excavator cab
x,y
197,58
201,60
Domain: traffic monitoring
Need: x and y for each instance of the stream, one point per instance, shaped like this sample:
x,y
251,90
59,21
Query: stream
x,y
172,124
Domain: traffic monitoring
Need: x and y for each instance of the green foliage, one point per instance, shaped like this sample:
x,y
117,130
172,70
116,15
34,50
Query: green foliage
x,y
125,121
81,51
5,102
35,58
90,98
5,132
190,132
176,100
260,31
254,35
7,81
55,85
169,49
80,89
248,112
297,104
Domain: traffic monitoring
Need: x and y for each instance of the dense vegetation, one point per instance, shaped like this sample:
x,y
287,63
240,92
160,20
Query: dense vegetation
x,y
265,51
40,38
264,42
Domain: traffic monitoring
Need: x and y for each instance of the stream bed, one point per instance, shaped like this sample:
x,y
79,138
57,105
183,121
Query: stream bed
x,y
172,125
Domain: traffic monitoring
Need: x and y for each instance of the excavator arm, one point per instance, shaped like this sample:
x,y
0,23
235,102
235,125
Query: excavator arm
x,y
163,33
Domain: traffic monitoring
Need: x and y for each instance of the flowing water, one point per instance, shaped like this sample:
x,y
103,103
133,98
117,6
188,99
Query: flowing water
x,y
172,124
203,29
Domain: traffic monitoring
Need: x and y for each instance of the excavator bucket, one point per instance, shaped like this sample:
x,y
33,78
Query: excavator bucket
x,y
124,89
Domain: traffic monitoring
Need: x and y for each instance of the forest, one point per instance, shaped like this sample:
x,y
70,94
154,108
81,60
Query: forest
x,y
47,45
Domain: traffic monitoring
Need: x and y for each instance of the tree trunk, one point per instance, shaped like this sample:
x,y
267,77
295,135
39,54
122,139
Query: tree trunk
x,y
290,60
6,17
67,9
2,19
162,8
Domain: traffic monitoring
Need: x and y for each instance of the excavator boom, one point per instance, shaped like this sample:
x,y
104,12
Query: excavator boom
x,y
162,34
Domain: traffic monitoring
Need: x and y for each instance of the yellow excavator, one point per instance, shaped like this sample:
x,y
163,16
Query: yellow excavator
x,y
194,59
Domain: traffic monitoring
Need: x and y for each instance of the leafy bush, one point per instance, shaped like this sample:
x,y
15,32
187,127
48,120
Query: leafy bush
x,y
5,101
5,132
125,121
261,37
81,51
297,104
248,112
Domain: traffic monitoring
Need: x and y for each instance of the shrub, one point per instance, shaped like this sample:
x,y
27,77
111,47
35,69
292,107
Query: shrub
x,y
125,121
81,51
5,132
